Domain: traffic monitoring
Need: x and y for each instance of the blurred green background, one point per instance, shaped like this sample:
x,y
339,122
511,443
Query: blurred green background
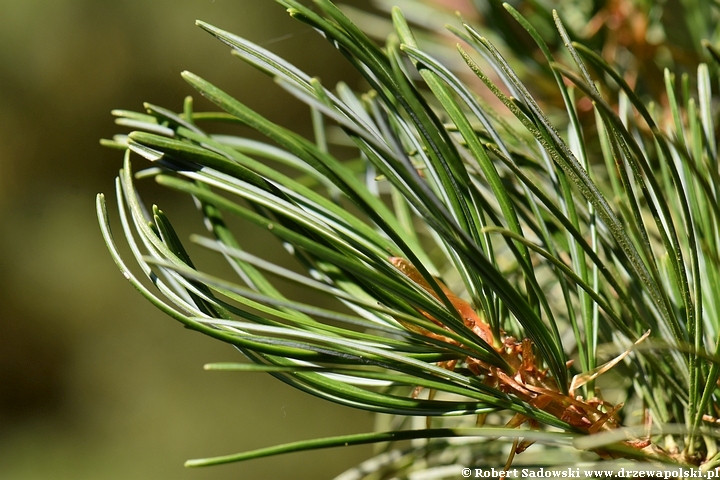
x,y
94,382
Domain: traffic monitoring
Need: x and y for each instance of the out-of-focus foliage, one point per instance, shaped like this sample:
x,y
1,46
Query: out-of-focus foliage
x,y
93,383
